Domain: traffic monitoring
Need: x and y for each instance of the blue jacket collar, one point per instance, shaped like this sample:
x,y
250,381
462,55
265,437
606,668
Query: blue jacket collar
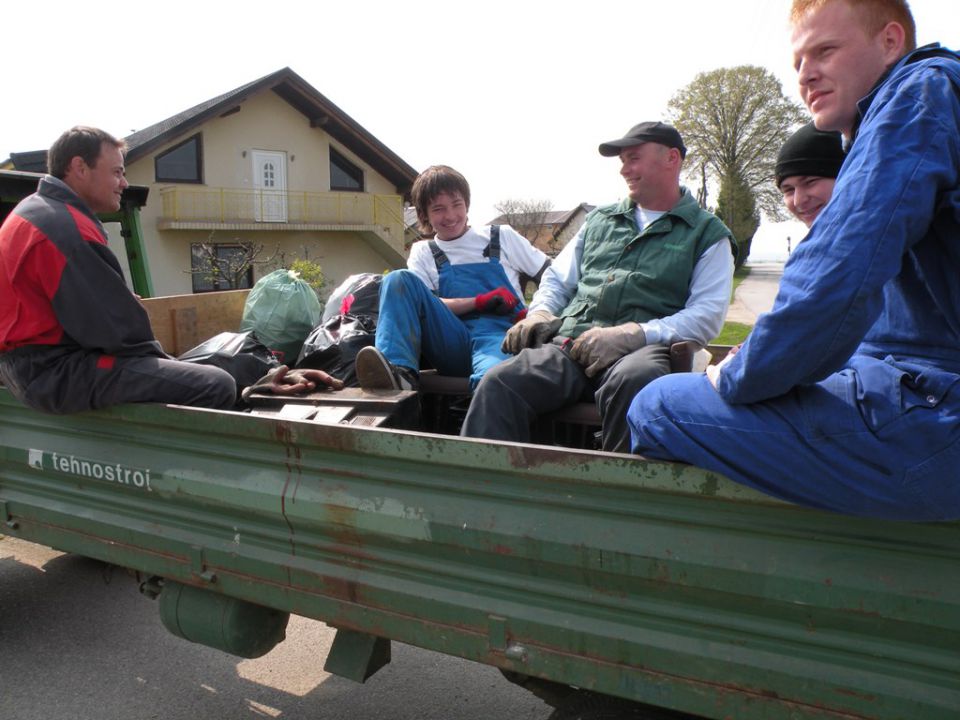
x,y
931,50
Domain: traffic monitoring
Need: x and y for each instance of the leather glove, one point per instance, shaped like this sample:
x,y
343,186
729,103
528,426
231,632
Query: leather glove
x,y
284,381
534,330
600,347
500,301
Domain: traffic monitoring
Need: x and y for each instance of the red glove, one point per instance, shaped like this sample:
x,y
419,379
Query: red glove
x,y
500,301
521,314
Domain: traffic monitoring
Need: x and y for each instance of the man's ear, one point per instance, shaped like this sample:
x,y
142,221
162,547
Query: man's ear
x,y
893,39
77,167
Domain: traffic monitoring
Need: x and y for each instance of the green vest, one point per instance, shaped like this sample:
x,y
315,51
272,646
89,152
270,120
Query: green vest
x,y
631,276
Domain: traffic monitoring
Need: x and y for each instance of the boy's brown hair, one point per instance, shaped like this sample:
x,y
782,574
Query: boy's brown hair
x,y
79,140
874,15
431,182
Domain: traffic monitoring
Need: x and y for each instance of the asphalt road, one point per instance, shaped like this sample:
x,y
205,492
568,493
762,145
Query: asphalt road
x,y
79,642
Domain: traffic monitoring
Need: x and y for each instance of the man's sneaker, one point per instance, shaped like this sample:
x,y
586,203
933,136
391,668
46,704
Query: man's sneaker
x,y
375,372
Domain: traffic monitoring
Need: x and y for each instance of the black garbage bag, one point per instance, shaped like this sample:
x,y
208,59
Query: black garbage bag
x,y
333,346
240,354
358,295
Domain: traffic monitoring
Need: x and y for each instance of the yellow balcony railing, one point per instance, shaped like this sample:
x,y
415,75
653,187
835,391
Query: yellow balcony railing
x,y
227,205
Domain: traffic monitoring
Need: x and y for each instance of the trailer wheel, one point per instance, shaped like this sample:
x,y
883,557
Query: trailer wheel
x,y
584,705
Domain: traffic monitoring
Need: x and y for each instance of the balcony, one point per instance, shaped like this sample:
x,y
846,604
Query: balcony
x,y
204,208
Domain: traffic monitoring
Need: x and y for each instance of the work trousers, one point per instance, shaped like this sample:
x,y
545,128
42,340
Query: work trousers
x,y
515,393
845,444
58,380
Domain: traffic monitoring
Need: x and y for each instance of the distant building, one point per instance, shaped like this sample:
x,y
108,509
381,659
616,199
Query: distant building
x,y
551,231
411,226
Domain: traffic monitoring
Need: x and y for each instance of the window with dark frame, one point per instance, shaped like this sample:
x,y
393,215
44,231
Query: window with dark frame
x,y
182,163
344,175
217,271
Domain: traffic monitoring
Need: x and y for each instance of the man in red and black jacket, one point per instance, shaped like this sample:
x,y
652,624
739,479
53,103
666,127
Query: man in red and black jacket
x,y
72,335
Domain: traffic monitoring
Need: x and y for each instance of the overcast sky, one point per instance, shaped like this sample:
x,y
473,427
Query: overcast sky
x,y
515,94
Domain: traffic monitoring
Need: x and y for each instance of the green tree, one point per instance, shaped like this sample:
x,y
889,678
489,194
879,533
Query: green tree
x,y
737,207
734,121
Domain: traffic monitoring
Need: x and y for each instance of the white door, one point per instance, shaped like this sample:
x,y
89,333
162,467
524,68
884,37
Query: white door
x,y
270,185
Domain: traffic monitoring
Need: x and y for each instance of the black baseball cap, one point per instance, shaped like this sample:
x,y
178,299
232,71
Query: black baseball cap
x,y
645,132
810,152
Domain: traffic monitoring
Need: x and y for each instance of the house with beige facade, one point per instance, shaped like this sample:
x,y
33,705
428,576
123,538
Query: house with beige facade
x,y
272,168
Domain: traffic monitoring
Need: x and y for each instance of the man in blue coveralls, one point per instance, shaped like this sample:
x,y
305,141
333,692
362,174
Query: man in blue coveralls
x,y
845,396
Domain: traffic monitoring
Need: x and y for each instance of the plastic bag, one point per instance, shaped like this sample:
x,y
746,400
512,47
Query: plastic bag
x,y
240,354
333,346
281,310
358,295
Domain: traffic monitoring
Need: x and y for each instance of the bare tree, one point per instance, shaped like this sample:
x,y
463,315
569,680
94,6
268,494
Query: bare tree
x,y
528,217
226,266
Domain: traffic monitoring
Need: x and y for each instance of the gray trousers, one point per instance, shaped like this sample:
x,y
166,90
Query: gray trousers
x,y
57,381
513,394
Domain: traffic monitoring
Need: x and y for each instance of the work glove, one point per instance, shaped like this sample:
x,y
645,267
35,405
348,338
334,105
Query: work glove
x,y
499,302
284,381
600,347
534,330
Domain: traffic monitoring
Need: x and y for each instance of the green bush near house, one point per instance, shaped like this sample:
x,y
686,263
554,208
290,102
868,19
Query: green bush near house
x,y
310,272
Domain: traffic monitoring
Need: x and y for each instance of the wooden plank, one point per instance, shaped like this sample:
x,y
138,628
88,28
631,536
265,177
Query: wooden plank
x,y
182,321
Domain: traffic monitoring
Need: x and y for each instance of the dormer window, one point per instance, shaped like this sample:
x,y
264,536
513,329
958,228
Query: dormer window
x,y
344,175
182,163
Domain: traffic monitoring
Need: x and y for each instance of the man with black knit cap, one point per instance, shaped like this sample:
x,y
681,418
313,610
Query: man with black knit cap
x,y
640,274
807,169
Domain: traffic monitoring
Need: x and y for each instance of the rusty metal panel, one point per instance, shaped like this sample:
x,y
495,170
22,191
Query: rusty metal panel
x,y
651,581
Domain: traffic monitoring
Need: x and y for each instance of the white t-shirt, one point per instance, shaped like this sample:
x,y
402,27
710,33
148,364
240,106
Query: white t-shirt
x,y
517,255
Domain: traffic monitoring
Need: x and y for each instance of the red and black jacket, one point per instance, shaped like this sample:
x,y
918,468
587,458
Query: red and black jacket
x,y
60,285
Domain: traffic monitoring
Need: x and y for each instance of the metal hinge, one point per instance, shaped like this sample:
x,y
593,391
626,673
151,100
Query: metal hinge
x,y
198,567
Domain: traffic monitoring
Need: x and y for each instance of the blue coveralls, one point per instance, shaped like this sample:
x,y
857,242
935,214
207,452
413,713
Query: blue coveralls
x,y
414,322
846,395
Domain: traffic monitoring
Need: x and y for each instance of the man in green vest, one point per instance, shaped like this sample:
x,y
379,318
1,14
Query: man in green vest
x,y
640,275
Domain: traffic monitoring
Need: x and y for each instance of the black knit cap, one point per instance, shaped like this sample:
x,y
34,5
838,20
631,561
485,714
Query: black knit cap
x,y
644,132
810,152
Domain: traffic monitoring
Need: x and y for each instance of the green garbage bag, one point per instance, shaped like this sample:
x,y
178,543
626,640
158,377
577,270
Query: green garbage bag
x,y
281,310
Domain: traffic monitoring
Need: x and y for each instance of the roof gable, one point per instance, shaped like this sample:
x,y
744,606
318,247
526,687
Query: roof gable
x,y
302,96
291,88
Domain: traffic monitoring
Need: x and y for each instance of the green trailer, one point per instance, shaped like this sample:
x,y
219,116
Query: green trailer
x,y
610,586
568,569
